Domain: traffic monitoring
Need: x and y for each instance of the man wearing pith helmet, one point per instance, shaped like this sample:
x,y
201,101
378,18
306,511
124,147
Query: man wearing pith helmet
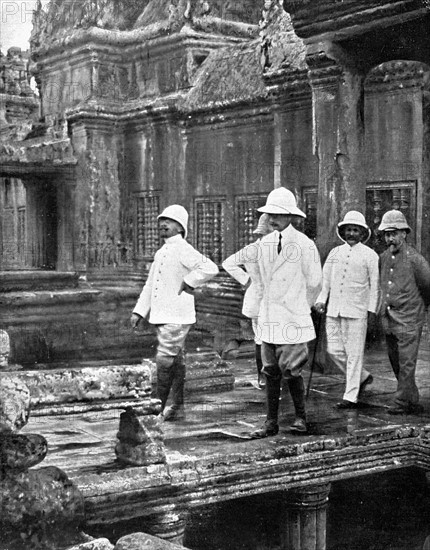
x,y
290,272
405,291
351,286
167,301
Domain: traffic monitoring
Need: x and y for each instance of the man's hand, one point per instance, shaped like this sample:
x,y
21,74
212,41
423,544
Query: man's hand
x,y
186,288
135,320
319,307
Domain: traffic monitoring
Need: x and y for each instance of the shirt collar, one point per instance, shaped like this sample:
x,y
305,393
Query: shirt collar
x,y
287,231
173,239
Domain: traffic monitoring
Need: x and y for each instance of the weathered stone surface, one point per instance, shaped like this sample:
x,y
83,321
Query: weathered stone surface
x,y
207,372
96,544
14,403
37,505
139,444
143,541
4,348
19,452
88,384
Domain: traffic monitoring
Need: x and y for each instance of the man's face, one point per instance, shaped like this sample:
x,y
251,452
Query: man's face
x,y
279,221
353,234
395,239
169,228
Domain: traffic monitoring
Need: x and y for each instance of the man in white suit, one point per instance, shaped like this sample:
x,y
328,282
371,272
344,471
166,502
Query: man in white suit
x,y
249,278
167,298
351,280
291,274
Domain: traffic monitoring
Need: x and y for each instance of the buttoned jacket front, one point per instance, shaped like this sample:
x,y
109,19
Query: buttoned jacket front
x,y
291,281
175,262
350,281
248,257
405,289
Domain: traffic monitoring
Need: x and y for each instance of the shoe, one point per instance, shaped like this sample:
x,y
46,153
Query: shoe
x,y
344,404
412,408
270,428
299,426
171,414
261,382
366,382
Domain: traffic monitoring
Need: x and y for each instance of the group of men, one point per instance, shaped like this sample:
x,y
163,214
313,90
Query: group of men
x,y
284,280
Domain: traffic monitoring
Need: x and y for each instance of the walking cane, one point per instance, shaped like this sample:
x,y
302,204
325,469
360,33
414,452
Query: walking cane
x,y
317,338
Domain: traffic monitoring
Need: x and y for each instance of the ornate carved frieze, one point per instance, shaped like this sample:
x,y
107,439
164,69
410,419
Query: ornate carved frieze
x,y
282,54
397,75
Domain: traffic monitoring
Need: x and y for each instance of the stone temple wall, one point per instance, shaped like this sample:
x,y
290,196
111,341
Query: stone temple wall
x,y
210,107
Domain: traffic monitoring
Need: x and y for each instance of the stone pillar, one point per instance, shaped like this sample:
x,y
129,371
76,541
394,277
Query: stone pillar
x,y
305,519
337,102
169,525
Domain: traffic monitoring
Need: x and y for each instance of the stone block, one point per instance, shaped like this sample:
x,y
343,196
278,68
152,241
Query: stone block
x,y
143,541
39,505
14,403
140,441
90,385
20,452
96,544
4,349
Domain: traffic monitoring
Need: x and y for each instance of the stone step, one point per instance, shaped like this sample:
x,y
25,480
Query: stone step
x,y
79,389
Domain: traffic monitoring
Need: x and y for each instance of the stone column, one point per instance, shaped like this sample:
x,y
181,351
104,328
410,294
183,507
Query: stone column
x,y
305,519
337,103
168,525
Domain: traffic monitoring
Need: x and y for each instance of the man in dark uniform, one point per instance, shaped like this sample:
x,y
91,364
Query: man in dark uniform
x,y
405,292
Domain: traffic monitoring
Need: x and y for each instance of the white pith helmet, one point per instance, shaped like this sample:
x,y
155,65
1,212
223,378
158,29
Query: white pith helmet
x,y
353,217
394,220
177,213
263,227
281,201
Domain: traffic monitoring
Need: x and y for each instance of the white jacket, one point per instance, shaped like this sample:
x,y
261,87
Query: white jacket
x,y
350,281
248,257
176,261
291,280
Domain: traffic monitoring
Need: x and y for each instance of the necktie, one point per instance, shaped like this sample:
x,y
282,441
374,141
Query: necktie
x,y
280,244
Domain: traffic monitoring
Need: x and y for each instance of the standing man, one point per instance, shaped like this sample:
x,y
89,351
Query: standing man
x,y
167,298
351,286
250,280
290,271
405,290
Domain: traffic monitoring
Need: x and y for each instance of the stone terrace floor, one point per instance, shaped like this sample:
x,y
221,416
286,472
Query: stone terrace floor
x,y
220,423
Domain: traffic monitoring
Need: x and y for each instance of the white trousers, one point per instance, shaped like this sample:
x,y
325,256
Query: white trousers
x,y
346,339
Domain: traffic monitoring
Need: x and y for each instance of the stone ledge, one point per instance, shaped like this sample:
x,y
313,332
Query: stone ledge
x,y
192,481
12,281
62,391
77,390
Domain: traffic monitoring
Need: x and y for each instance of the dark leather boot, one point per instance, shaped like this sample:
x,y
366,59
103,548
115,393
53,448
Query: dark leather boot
x,y
297,391
273,391
176,410
165,372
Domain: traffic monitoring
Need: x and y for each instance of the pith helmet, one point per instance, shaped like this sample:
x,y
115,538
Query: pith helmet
x,y
263,227
353,217
177,213
394,220
281,201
